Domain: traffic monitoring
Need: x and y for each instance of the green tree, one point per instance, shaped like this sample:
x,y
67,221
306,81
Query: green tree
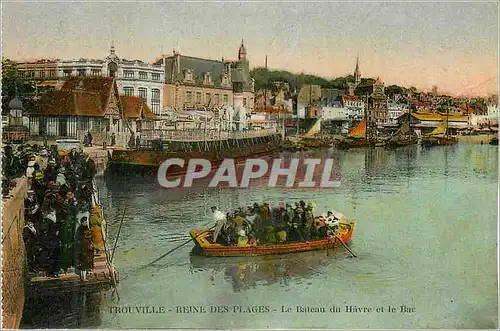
x,y
15,85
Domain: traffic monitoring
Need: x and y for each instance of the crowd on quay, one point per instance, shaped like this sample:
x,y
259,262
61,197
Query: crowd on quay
x,y
262,225
58,209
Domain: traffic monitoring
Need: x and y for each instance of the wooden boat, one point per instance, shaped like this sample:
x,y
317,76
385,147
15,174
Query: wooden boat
x,y
494,141
404,136
148,160
357,137
202,237
439,136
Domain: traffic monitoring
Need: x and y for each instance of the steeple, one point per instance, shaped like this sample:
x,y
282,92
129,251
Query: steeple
x,y
242,53
357,72
112,50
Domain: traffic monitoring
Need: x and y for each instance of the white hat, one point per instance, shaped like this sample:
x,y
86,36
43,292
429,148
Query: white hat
x,y
338,215
43,152
242,233
31,163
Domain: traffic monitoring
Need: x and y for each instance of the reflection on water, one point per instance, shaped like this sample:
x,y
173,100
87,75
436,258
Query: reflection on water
x,y
413,212
249,272
65,310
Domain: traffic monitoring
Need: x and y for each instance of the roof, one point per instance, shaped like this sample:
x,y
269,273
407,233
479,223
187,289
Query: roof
x,y
135,107
79,96
439,117
200,66
351,98
71,103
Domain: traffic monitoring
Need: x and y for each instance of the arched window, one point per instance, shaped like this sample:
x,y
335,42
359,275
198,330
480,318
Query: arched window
x,y
112,69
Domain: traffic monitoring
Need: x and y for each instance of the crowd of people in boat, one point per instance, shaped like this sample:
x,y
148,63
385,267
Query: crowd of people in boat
x,y
261,224
59,209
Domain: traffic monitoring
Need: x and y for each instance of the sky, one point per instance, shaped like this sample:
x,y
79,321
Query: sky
x,y
453,45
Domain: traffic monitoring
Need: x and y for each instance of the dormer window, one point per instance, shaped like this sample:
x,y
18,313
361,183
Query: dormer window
x,y
225,80
207,78
188,75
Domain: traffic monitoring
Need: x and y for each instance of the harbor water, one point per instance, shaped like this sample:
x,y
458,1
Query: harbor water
x,y
425,237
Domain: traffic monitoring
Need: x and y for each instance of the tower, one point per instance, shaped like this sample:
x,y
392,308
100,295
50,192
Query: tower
x,y
357,73
242,52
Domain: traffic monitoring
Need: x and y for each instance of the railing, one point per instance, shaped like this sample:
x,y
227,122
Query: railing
x,y
199,135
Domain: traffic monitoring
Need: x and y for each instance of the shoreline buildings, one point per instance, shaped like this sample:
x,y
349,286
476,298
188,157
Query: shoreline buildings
x,y
133,77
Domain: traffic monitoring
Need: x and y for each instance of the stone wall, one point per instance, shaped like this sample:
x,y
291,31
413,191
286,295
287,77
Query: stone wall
x,y
13,256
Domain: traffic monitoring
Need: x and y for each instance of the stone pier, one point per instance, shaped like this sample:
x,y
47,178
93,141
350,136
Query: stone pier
x,y
13,256
100,157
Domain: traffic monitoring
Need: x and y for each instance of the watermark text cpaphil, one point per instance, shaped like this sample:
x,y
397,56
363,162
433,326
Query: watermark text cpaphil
x,y
289,173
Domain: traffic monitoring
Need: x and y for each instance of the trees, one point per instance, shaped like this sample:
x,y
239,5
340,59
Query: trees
x,y
15,85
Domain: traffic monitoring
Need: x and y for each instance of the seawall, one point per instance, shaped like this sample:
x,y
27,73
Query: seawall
x,y
100,157
13,256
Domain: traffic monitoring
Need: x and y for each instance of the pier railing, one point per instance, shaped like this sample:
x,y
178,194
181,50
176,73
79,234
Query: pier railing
x,y
201,135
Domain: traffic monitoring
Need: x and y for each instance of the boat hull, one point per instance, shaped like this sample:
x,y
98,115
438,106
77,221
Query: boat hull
x,y
137,160
401,143
438,141
207,248
359,142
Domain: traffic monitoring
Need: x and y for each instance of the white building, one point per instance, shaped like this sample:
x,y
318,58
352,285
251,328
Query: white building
x,y
395,110
493,114
345,113
133,78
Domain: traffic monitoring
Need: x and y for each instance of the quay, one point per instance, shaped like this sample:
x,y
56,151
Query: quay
x,y
19,285
102,277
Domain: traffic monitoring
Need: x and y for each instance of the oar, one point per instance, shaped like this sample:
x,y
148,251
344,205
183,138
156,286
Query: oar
x,y
343,244
118,235
176,248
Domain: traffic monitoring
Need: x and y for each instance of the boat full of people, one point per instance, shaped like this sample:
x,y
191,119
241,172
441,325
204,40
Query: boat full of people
x,y
262,230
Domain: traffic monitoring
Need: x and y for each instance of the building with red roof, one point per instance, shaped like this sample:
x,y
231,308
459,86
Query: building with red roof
x,y
90,104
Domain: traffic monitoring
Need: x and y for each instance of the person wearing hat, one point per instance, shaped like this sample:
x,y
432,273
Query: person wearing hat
x,y
220,221
51,171
43,159
84,248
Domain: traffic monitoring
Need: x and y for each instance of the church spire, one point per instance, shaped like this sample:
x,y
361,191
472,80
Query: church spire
x,y
357,72
112,50
242,52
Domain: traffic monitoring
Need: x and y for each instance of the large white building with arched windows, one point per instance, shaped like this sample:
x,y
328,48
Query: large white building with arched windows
x,y
133,77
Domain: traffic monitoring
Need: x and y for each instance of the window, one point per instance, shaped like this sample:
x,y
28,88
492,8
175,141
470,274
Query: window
x,y
41,73
155,76
189,96
83,124
244,102
128,74
198,97
67,73
155,94
81,72
143,75
96,72
207,98
143,93
226,99
217,99
52,73
128,91
155,106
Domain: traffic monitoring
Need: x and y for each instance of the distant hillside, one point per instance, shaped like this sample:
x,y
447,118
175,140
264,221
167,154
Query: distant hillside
x,y
263,75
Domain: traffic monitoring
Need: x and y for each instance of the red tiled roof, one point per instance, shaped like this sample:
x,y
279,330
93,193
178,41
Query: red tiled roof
x,y
351,98
71,103
134,107
79,96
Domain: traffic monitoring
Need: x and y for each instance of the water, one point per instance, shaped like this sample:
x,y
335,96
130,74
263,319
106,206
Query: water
x,y
425,238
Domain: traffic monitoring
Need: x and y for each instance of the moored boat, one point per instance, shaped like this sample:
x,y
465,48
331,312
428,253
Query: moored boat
x,y
494,141
439,136
357,137
215,151
202,239
404,136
